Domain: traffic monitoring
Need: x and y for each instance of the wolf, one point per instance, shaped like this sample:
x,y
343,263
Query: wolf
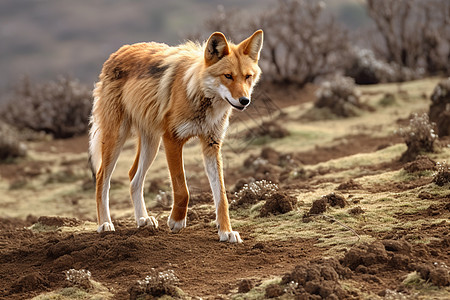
x,y
170,94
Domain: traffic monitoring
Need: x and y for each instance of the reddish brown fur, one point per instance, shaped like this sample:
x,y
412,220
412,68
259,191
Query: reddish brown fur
x,y
169,92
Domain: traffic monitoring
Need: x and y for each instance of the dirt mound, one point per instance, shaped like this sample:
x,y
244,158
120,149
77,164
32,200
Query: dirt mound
x,y
30,282
59,221
370,258
319,206
349,185
273,291
440,107
421,163
336,200
438,274
245,285
317,278
13,223
356,211
118,260
278,203
370,264
269,129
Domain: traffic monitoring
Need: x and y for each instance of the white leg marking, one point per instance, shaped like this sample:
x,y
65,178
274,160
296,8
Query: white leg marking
x,y
212,171
214,180
105,216
232,237
176,226
107,226
149,149
147,221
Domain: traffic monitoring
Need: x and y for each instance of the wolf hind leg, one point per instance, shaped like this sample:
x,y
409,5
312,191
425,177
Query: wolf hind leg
x,y
146,152
112,142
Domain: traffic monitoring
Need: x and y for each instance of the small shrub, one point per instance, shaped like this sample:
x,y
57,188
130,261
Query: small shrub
x,y
442,176
366,68
80,278
269,129
440,107
253,192
156,284
10,145
339,96
60,108
419,137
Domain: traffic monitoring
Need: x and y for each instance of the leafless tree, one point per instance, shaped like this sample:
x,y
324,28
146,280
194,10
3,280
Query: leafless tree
x,y
416,34
302,40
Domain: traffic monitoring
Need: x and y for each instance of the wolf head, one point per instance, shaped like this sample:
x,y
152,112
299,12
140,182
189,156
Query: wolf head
x,y
232,70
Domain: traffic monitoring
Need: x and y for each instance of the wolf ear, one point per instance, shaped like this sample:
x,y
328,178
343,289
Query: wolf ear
x,y
252,46
216,48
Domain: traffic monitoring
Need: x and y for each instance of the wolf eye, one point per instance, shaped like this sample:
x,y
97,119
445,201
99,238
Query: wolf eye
x,y
248,76
228,76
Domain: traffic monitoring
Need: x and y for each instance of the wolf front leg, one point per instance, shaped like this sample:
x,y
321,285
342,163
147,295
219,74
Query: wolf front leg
x,y
174,156
213,164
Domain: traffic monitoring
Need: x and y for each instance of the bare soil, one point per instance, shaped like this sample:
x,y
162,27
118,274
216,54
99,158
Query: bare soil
x,y
34,262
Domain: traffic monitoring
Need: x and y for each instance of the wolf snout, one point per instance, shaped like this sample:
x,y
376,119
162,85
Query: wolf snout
x,y
244,101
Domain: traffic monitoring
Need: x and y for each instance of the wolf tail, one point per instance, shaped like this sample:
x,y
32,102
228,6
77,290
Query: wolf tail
x,y
95,157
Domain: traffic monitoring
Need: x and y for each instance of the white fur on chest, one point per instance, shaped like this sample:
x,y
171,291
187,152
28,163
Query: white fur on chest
x,y
212,124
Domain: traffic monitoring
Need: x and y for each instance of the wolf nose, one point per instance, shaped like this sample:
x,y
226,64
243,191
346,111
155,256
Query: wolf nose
x,y
244,101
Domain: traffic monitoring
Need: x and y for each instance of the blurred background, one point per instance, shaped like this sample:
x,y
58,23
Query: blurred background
x,y
44,38
52,51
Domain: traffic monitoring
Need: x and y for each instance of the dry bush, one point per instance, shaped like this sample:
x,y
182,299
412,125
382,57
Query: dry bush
x,y
366,68
10,144
440,107
339,96
80,278
302,41
442,175
269,129
253,192
414,33
419,137
60,108
155,285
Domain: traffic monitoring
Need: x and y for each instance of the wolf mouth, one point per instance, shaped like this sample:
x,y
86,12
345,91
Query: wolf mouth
x,y
241,108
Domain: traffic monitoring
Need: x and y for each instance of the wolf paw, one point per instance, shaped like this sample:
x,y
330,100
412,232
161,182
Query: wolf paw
x,y
147,221
107,226
176,226
230,236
